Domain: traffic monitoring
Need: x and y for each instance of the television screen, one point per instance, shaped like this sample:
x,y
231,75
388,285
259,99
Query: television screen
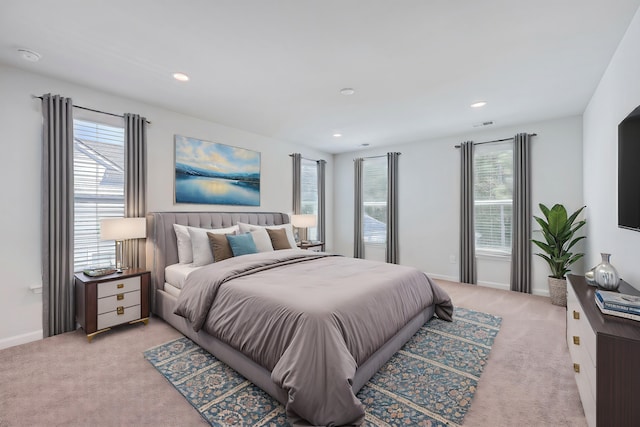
x,y
629,171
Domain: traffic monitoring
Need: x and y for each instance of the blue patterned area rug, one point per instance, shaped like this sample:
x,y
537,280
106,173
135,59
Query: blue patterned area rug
x,y
429,382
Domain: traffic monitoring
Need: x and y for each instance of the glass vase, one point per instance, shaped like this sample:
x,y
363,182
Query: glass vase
x,y
605,274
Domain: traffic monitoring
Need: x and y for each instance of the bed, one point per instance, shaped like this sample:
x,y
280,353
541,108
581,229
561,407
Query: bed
x,y
314,372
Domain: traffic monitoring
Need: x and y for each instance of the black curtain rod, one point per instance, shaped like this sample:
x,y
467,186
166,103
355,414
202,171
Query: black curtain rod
x,y
495,140
374,157
95,111
305,158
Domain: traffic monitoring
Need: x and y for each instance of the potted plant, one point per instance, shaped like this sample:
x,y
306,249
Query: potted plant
x,y
558,231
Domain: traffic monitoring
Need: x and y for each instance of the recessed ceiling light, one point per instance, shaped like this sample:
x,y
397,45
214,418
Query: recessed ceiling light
x,y
29,55
478,104
337,135
181,77
347,91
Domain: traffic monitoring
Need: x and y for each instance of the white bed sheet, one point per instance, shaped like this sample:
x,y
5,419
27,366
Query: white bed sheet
x,y
176,274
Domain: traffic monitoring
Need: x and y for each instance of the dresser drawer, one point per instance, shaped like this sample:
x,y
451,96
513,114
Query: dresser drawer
x,y
579,332
112,318
581,340
126,299
587,389
114,287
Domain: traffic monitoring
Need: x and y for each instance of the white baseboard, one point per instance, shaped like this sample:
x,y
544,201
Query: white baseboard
x,y
20,339
494,285
503,286
442,277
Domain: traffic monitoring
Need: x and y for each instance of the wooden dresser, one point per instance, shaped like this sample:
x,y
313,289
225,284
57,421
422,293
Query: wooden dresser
x,y
605,351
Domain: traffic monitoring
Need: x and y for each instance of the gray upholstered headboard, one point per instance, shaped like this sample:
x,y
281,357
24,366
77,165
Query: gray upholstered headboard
x,y
162,247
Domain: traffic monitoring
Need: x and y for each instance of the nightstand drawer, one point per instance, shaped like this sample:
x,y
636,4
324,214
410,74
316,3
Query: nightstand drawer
x,y
114,287
112,318
111,303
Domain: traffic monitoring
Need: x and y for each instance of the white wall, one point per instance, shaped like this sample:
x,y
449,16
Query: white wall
x,y
429,196
21,127
616,96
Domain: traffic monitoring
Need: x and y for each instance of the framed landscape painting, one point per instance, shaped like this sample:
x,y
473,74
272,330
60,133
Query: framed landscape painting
x,y
217,174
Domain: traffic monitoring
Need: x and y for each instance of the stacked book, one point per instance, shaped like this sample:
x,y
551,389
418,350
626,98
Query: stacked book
x,y
617,304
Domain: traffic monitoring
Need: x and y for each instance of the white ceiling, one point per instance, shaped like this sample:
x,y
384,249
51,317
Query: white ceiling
x,y
275,67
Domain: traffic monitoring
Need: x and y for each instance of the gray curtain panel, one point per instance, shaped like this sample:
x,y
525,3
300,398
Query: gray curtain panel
x,y
135,186
297,183
521,228
321,202
392,253
58,310
297,191
468,271
358,236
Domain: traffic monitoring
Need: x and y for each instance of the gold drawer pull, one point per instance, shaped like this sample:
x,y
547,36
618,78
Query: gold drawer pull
x,y
121,285
576,340
576,368
120,297
120,310
576,314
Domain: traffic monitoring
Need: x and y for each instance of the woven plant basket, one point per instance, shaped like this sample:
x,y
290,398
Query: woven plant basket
x,y
558,291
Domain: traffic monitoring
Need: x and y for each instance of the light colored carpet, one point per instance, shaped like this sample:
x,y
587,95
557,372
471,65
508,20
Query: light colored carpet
x,y
529,379
64,381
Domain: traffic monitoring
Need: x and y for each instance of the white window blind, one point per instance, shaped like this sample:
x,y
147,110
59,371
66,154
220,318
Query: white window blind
x,y
493,194
98,173
309,193
374,200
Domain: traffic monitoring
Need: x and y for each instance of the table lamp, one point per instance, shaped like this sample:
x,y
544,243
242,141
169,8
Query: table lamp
x,y
120,229
303,221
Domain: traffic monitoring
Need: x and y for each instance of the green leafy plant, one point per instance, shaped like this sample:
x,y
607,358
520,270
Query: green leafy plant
x,y
559,231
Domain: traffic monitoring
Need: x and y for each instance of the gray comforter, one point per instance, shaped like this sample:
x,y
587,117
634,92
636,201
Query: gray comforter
x,y
310,319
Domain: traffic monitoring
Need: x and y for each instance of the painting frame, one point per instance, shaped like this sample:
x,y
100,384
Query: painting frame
x,y
212,173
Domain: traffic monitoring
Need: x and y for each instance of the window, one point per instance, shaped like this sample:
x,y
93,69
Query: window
x,y
374,200
493,194
98,173
309,193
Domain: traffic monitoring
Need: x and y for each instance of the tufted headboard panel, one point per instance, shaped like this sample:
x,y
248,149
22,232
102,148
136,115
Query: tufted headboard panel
x,y
162,246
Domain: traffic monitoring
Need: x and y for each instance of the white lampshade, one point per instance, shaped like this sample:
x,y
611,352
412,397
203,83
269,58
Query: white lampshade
x,y
123,228
303,220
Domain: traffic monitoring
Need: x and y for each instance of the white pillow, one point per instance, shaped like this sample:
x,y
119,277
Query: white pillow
x,y
185,253
247,228
262,240
200,246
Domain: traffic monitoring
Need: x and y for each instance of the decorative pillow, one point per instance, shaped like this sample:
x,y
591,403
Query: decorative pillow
x,y
279,238
219,246
185,253
202,254
247,228
262,240
242,244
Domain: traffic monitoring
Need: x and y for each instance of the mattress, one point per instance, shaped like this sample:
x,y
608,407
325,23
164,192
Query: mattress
x,y
176,274
172,290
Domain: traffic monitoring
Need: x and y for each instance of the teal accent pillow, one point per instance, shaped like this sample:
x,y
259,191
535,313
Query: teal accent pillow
x,y
242,244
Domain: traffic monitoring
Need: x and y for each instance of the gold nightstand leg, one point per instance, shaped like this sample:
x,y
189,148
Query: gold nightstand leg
x,y
145,321
90,336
